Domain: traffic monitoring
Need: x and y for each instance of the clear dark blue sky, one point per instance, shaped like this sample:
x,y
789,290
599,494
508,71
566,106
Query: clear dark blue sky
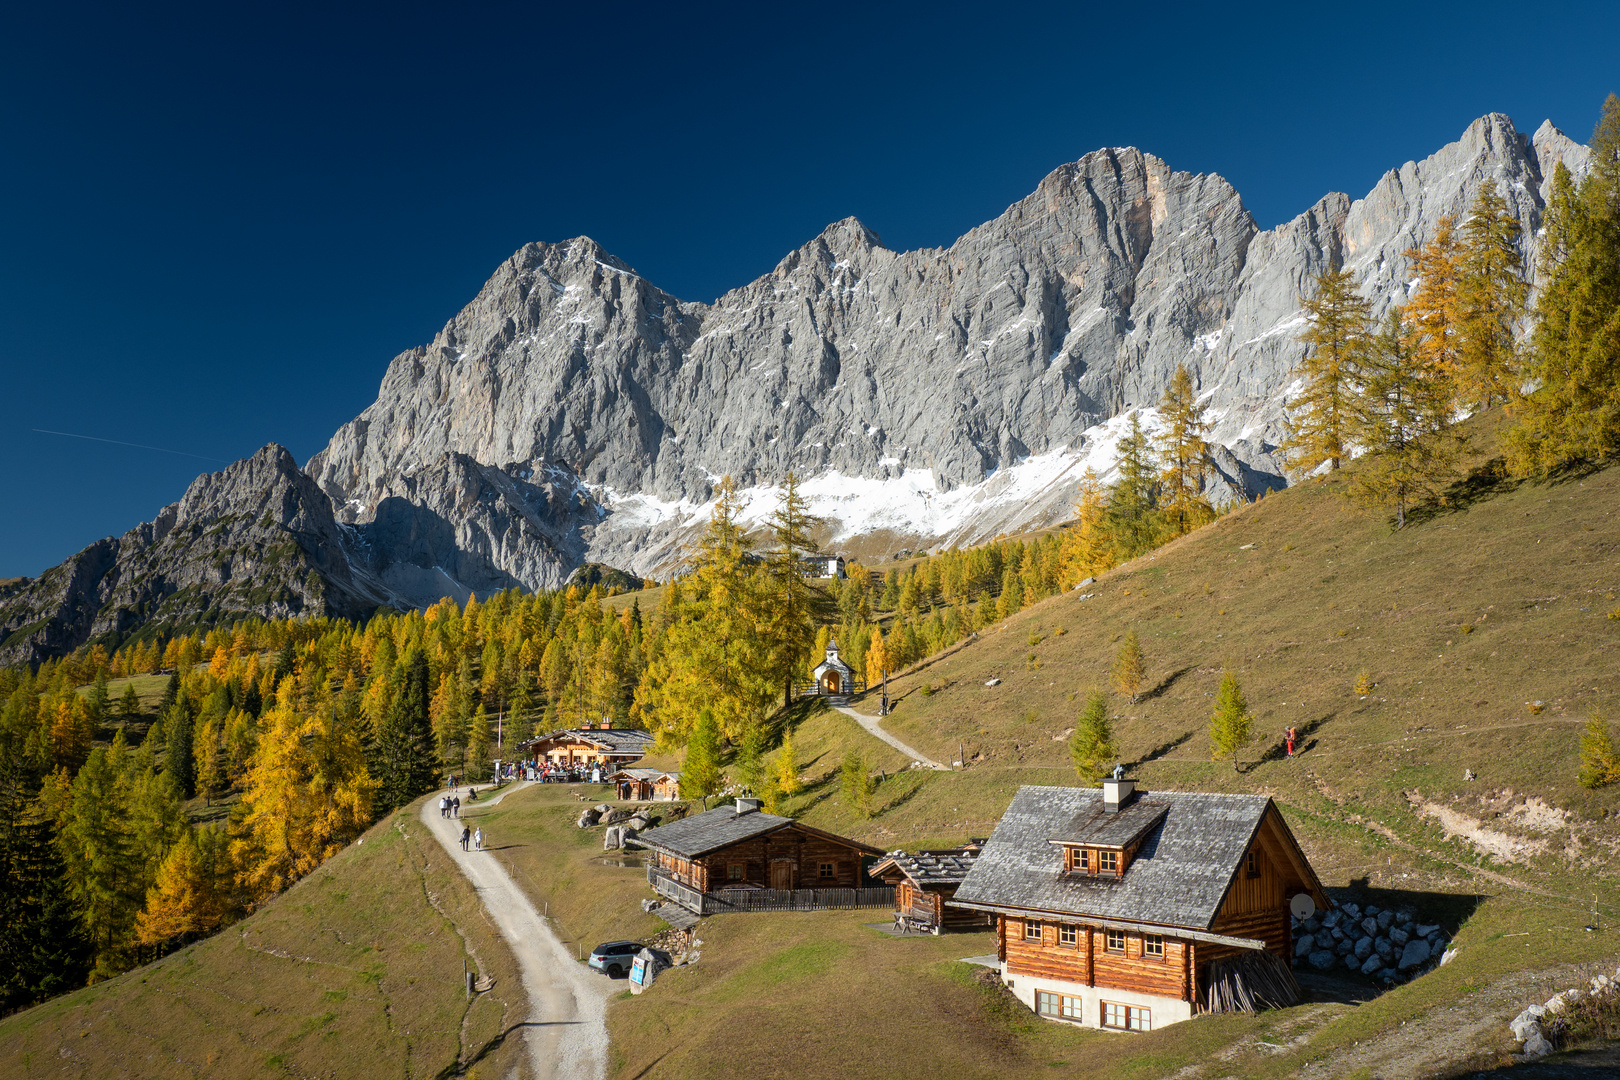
x,y
219,223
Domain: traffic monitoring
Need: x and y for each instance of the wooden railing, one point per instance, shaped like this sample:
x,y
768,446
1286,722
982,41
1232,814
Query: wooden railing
x,y
736,900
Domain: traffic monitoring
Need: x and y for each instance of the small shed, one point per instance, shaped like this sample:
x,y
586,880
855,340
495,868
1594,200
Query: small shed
x,y
924,882
646,785
833,676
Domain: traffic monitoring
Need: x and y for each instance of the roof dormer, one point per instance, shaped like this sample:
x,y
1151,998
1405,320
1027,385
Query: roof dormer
x,y
1106,836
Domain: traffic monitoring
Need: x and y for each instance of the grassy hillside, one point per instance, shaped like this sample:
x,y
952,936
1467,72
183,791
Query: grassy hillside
x,y
1485,631
354,972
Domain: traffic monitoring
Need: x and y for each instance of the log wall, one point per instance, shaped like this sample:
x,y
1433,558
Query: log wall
x,y
1089,962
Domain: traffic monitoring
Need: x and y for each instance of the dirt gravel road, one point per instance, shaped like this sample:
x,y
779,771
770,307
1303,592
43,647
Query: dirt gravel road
x,y
875,728
566,1030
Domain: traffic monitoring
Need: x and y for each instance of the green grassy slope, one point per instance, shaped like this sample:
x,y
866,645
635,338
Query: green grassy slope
x,y
354,972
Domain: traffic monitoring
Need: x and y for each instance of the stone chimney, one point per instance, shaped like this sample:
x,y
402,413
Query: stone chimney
x,y
607,725
1117,794
747,806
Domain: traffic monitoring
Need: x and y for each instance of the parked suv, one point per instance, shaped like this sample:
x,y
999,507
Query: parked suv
x,y
614,957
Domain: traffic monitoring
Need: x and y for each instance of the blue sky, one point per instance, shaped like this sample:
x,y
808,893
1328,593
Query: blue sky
x,y
218,223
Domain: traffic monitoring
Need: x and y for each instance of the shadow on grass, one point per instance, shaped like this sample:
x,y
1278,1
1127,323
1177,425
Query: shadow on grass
x,y
1303,741
1166,683
1487,481
1161,750
456,1068
901,799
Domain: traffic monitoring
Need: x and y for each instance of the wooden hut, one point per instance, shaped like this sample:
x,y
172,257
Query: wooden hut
x,y
924,881
738,858
586,746
1132,910
646,785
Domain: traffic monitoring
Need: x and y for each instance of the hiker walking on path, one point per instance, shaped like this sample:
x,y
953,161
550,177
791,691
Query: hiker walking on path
x,y
444,806
455,807
1290,737
465,832
478,839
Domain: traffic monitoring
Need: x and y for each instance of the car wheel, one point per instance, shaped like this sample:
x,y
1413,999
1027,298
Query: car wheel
x,y
615,972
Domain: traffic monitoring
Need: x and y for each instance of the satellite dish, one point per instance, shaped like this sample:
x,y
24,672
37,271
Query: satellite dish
x,y
1302,906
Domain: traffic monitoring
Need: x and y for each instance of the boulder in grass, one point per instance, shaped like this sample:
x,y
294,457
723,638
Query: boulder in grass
x,y
1562,1002
588,817
1537,1046
1414,955
1322,959
1526,1023
1372,965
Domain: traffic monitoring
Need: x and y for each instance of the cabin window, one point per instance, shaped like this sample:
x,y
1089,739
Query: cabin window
x,y
828,870
1068,935
1116,941
1058,1006
1107,862
1126,1017
734,871
1153,945
1252,864
1032,931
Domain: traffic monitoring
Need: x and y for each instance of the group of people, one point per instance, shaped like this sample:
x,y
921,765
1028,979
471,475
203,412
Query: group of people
x,y
449,806
476,835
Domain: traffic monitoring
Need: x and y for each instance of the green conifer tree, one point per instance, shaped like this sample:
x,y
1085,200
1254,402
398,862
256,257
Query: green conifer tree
x,y
1133,499
1404,424
700,774
1092,747
1490,301
178,752
1600,763
1229,723
1322,419
405,750
1572,414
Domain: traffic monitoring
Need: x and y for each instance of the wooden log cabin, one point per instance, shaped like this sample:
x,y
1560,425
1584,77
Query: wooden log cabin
x,y
646,785
603,745
924,881
1123,909
734,849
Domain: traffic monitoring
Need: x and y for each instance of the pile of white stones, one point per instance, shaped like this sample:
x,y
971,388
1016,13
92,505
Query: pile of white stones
x,y
1530,1026
1380,943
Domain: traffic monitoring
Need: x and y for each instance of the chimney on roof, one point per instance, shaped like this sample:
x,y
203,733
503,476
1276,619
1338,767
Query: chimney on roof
x,y
1118,793
607,725
747,806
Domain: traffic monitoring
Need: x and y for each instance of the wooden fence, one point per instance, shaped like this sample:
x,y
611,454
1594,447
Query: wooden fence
x,y
735,900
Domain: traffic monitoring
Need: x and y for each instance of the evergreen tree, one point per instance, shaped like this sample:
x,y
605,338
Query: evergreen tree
x,y
1490,301
171,694
793,598
1185,456
1092,747
1322,418
101,865
43,947
98,703
129,705
857,783
700,775
404,745
1229,723
1404,424
1128,667
1573,413
1600,763
178,751
1132,499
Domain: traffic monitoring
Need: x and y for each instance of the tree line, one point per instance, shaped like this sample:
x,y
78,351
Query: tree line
x,y
1467,339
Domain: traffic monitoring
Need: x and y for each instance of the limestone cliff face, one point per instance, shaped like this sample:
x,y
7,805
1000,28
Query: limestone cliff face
x,y
574,411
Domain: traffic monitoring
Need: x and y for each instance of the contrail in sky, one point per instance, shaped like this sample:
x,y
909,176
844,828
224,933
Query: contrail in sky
x,y
138,446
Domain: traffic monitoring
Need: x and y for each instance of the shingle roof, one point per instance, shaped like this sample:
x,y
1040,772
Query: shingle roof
x,y
711,831
1096,827
613,740
928,867
1178,877
644,774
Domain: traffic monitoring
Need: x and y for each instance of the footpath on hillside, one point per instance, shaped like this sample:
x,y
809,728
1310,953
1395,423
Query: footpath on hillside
x,y
870,723
566,1030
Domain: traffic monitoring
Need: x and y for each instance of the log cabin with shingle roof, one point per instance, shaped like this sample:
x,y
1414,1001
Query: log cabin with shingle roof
x,y
603,744
1121,909
925,881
